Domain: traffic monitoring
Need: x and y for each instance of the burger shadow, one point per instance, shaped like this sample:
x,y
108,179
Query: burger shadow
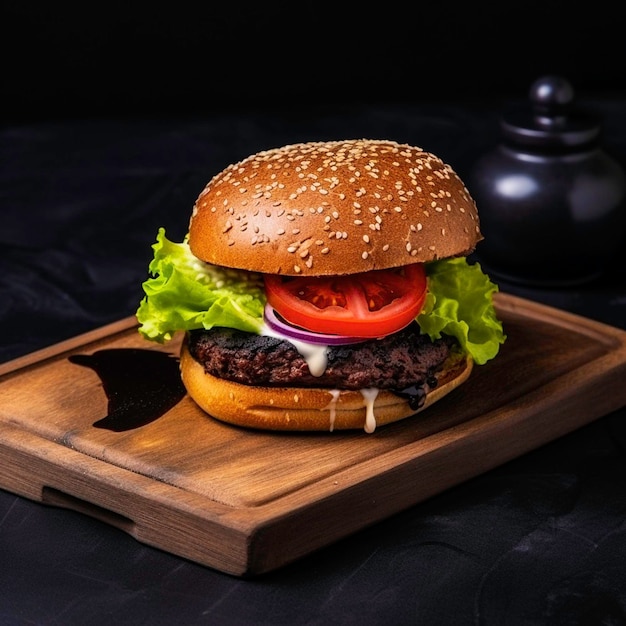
x,y
140,385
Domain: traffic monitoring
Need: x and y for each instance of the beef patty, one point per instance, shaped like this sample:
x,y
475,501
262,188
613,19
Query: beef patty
x,y
396,362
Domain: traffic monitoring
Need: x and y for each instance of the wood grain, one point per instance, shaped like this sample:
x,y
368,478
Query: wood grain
x,y
247,502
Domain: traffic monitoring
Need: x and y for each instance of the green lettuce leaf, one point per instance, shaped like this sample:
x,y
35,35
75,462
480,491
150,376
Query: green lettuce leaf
x,y
184,293
460,303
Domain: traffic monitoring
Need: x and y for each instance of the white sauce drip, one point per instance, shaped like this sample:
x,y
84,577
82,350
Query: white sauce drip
x,y
316,357
369,397
332,407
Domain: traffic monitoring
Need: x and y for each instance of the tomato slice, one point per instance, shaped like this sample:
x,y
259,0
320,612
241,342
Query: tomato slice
x,y
370,304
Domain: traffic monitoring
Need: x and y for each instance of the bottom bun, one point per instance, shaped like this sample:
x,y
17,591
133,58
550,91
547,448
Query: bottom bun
x,y
308,409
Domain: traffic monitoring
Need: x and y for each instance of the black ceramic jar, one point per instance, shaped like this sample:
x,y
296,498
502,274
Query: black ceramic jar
x,y
552,202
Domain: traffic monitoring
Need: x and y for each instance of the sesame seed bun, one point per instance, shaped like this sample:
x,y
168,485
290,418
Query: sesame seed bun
x,y
338,207
308,409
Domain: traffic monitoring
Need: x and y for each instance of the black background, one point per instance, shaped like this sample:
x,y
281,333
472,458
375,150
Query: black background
x,y
146,59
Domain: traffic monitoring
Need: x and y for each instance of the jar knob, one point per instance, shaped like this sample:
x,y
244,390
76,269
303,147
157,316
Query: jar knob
x,y
551,120
551,97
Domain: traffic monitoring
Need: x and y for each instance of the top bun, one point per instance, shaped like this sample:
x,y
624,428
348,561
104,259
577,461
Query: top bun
x,y
336,207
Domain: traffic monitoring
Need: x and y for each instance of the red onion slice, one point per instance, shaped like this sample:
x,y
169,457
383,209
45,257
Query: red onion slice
x,y
277,323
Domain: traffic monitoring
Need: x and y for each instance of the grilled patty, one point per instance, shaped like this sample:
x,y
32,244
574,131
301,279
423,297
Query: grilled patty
x,y
396,362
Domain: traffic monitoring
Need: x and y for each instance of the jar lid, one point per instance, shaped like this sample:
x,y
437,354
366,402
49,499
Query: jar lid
x,y
551,121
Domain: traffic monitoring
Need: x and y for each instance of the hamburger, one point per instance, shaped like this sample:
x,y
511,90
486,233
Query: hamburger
x,y
325,286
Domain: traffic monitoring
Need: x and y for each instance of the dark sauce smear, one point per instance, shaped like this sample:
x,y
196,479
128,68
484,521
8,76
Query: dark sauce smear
x,y
140,385
415,395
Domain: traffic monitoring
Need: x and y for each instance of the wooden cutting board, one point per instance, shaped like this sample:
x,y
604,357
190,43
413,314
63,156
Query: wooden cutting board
x,y
101,425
